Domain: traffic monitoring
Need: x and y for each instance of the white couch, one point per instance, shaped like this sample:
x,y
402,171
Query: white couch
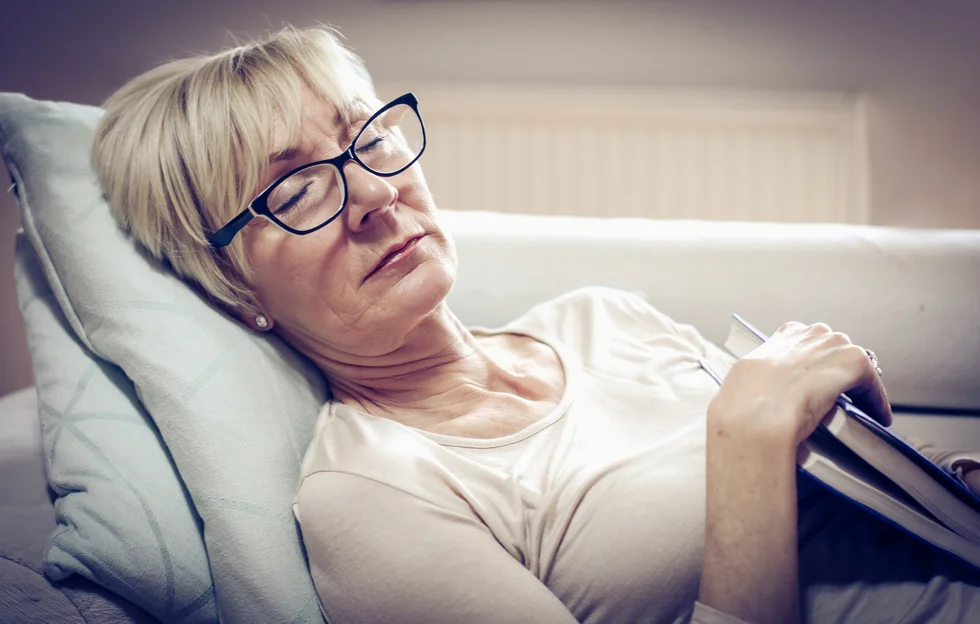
x,y
911,295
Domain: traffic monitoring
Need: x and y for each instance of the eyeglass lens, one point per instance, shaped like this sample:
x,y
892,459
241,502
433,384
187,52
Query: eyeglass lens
x,y
311,196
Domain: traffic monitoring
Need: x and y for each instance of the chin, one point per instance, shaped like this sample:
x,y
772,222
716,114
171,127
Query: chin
x,y
424,289
407,304
418,294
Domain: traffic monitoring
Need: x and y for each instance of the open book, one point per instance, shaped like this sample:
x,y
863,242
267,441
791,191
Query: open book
x,y
854,455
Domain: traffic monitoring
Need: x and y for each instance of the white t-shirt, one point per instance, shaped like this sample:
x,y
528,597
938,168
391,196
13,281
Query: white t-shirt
x,y
593,514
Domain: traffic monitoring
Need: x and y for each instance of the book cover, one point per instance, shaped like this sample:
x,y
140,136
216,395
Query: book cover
x,y
853,455
950,482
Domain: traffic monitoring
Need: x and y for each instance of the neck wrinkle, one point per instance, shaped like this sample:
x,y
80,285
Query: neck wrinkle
x,y
439,373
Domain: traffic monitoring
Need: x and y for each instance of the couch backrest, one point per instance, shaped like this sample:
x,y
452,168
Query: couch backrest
x,y
913,296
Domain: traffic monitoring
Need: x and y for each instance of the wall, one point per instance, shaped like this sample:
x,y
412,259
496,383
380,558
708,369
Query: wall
x,y
918,64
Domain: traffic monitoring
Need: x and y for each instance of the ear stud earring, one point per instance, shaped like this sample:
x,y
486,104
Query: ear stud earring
x,y
261,322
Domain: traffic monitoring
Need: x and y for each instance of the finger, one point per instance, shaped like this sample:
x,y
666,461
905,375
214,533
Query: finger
x,y
877,399
819,329
872,401
790,327
869,392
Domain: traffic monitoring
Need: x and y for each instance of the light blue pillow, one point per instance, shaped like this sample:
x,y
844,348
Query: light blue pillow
x,y
124,519
235,409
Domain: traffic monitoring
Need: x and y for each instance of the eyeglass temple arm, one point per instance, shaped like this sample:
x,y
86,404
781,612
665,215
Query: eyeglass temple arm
x,y
227,232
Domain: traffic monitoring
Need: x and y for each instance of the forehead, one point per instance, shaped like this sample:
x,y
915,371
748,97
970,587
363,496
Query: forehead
x,y
319,120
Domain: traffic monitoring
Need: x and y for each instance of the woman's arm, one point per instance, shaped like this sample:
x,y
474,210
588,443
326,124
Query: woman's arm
x,y
379,555
749,565
770,401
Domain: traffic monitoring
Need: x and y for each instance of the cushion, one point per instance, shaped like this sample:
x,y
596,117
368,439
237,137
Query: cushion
x,y
27,519
235,409
124,519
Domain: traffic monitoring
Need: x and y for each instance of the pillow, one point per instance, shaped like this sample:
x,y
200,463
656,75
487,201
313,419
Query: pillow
x,y
235,409
124,519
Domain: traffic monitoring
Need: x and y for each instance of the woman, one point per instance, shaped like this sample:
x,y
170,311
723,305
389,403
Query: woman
x,y
575,465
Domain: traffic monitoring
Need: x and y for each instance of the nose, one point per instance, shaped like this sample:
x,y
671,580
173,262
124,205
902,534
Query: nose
x,y
367,196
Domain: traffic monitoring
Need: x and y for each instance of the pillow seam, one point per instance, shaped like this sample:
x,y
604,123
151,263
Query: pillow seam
x,y
47,265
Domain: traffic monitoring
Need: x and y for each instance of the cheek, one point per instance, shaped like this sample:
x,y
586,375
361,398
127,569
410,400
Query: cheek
x,y
414,191
292,272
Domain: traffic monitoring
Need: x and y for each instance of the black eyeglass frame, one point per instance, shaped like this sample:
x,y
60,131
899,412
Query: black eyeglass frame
x,y
260,206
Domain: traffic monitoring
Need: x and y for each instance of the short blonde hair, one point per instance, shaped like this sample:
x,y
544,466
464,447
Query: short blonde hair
x,y
180,149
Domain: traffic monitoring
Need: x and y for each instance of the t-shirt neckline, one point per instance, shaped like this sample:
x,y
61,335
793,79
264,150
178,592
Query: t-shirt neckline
x,y
554,416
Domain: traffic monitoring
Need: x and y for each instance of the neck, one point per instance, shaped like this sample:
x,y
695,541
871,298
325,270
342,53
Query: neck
x,y
439,372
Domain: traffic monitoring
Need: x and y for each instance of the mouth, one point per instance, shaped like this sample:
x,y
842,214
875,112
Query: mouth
x,y
396,254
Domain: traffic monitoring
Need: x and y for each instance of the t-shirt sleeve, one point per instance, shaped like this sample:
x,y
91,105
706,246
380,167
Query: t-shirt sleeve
x,y
378,554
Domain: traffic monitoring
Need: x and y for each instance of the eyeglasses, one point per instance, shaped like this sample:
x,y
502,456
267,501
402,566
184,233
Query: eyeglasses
x,y
309,197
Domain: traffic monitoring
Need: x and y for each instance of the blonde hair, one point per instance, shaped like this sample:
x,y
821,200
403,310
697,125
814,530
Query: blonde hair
x,y
180,148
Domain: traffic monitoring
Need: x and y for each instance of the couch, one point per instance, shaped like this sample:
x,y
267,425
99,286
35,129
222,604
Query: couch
x,y
911,295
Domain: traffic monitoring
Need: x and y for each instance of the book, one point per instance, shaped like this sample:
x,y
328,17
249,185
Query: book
x,y
857,457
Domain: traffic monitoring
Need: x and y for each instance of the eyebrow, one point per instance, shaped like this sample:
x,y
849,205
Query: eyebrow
x,y
291,152
287,154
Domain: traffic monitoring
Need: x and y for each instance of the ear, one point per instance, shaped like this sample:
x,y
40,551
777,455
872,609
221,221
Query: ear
x,y
257,320
252,316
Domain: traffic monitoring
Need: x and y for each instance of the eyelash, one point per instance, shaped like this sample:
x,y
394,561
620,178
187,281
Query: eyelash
x,y
292,201
373,143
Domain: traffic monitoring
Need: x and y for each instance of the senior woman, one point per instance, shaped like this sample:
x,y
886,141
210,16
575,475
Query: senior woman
x,y
577,464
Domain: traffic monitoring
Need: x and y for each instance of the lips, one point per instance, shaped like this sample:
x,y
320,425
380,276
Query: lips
x,y
395,253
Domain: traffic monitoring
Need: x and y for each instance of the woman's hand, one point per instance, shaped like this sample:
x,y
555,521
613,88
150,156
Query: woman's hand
x,y
784,388
770,401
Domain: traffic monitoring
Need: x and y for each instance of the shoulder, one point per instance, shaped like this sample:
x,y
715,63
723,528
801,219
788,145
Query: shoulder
x,y
326,496
347,441
376,454
607,327
592,306
599,295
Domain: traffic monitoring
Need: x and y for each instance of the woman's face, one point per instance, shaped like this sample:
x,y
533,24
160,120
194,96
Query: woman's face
x,y
346,287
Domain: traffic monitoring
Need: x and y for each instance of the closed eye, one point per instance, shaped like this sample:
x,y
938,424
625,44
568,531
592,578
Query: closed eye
x,y
292,201
372,144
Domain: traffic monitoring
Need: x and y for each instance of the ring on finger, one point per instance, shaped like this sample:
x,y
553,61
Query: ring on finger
x,y
874,360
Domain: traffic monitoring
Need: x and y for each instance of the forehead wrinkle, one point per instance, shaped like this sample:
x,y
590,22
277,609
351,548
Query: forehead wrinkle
x,y
337,132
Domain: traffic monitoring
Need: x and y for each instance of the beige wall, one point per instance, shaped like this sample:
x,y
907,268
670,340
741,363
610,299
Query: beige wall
x,y
917,62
